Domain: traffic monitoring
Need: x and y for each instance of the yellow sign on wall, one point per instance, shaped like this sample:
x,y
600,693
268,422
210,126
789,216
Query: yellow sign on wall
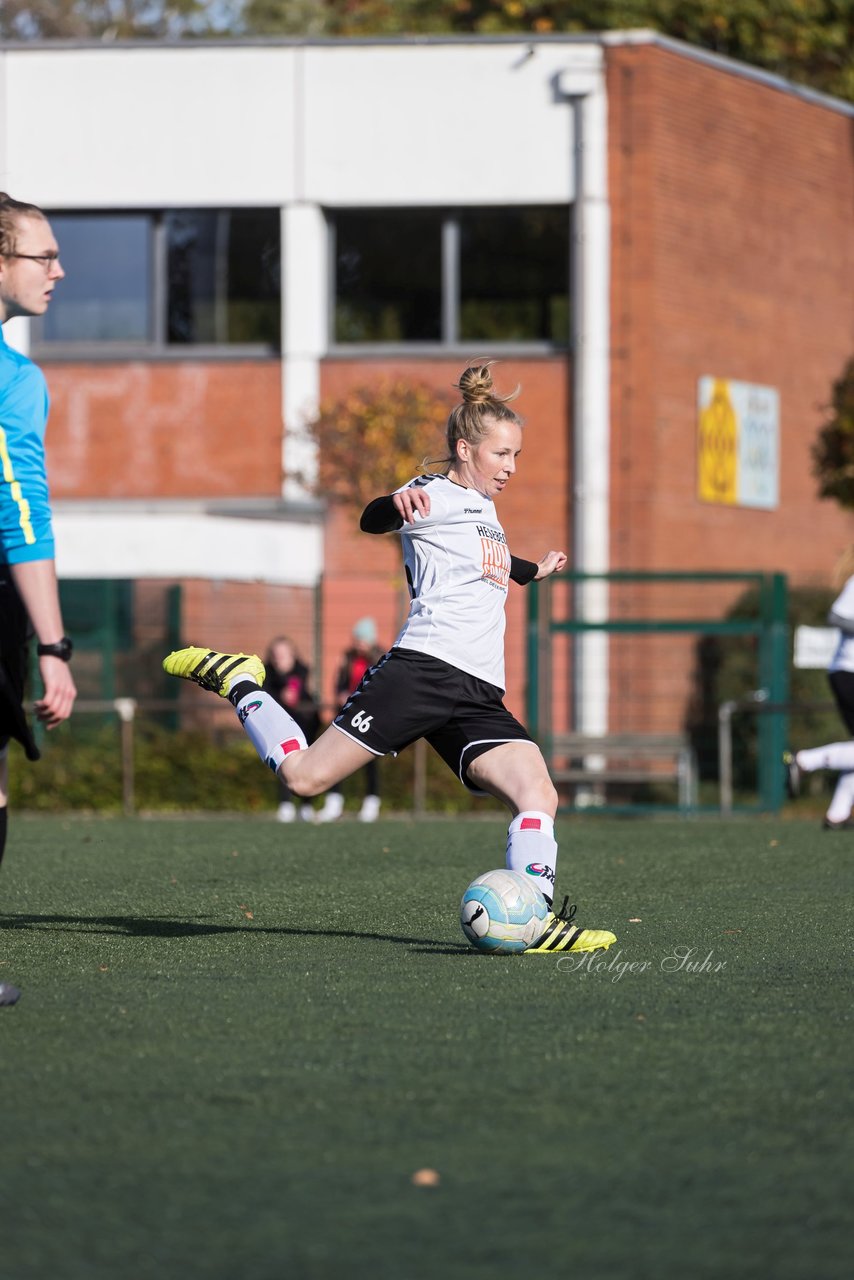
x,y
718,441
738,428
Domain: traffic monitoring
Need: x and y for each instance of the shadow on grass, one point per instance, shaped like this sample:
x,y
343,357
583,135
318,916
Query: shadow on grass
x,y
166,927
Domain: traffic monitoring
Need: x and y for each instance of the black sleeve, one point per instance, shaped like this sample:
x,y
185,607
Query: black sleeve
x,y
522,571
381,516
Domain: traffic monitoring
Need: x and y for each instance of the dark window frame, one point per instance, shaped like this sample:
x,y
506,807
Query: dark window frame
x,y
450,285
157,347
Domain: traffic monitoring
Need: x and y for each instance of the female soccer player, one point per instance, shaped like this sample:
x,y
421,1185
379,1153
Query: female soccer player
x,y
840,674
443,678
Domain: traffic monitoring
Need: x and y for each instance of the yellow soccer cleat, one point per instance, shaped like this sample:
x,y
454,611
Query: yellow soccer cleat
x,y
562,934
214,671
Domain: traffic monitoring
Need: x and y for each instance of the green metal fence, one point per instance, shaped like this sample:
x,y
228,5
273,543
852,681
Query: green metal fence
x,y
708,637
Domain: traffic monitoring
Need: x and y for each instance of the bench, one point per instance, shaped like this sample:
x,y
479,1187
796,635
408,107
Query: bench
x,y
579,759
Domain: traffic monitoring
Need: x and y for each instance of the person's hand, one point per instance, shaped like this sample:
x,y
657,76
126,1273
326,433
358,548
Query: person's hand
x,y
412,500
56,702
552,562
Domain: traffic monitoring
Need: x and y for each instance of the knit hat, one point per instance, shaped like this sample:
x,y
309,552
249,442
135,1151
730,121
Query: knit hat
x,y
365,630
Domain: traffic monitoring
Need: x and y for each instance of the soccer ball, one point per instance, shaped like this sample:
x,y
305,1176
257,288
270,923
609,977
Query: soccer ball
x,y
503,911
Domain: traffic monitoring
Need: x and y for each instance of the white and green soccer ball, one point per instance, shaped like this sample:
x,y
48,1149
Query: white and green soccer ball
x,y
503,911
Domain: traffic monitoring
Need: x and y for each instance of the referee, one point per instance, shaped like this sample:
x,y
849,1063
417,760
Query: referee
x,y
29,595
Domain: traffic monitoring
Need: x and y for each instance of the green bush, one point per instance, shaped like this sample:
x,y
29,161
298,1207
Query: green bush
x,y
728,669
78,770
180,771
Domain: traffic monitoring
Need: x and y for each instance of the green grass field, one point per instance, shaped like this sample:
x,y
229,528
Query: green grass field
x,y
237,1042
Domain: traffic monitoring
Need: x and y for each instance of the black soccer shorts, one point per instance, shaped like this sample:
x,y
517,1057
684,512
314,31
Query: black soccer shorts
x,y
14,661
410,695
842,686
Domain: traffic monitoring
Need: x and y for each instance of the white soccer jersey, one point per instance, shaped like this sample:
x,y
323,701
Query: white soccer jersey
x,y
843,607
458,567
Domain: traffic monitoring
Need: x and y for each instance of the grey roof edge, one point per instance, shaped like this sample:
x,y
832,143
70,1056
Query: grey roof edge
x,y
606,39
730,65
297,511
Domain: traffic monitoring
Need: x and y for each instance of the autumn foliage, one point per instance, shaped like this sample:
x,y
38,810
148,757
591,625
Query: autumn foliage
x,y
375,438
833,451
809,41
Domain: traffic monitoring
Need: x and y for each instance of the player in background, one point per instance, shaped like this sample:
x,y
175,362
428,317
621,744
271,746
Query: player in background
x,y
29,595
443,678
835,755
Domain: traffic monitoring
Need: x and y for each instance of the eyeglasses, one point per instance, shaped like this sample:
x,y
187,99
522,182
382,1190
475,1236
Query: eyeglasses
x,y
46,259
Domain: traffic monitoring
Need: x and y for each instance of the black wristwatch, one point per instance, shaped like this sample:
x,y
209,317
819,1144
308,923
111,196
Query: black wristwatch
x,y
62,649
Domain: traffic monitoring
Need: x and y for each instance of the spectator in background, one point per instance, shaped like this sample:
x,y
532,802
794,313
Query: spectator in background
x,y
838,756
362,654
287,681
29,594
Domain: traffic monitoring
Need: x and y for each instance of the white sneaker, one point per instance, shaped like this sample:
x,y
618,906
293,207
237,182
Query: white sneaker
x,y
306,813
370,809
286,812
333,807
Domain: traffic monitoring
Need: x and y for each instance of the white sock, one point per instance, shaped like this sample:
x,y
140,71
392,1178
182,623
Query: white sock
x,y
273,733
836,755
532,849
843,798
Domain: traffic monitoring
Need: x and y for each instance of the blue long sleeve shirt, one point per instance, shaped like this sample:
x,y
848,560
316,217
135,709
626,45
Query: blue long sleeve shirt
x,y
26,532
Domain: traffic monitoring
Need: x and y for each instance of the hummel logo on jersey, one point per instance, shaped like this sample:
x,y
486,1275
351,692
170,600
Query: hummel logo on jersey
x,y
539,869
246,711
473,511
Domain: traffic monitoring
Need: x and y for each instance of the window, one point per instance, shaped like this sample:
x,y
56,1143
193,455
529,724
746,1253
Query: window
x,y
514,275
443,277
106,293
223,274
162,281
388,281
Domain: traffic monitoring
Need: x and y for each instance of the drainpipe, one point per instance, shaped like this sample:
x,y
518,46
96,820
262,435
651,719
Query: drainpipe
x,y
304,298
583,86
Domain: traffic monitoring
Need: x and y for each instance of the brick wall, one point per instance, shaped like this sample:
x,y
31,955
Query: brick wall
x,y
157,429
733,255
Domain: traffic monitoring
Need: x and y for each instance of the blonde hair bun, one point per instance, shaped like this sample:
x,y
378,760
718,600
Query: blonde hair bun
x,y
476,384
477,387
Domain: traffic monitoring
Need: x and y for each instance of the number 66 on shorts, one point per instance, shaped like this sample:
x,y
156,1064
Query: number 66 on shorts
x,y
361,722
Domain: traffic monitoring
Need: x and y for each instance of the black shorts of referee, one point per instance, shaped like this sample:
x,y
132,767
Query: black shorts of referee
x,y
15,633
